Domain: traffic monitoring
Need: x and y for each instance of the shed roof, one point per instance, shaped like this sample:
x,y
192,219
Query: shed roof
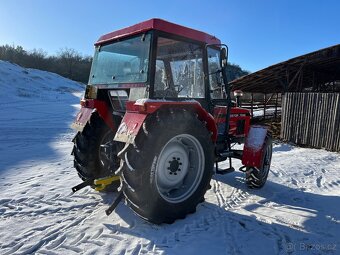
x,y
324,65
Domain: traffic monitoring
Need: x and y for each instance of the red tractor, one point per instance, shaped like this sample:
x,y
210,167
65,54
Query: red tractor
x,y
157,115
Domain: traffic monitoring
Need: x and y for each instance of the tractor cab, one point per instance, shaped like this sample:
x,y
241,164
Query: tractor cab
x,y
158,60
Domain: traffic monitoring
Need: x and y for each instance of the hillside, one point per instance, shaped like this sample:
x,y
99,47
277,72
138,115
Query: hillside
x,y
36,107
297,212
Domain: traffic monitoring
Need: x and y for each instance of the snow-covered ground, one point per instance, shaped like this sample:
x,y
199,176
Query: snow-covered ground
x,y
297,212
269,112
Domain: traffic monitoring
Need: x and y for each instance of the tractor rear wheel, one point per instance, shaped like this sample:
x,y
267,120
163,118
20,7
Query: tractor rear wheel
x,y
95,152
167,171
257,177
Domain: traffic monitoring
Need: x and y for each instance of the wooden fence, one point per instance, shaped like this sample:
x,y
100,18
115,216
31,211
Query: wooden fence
x,y
311,119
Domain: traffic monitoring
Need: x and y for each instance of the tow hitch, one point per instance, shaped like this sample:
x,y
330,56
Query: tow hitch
x,y
100,184
84,184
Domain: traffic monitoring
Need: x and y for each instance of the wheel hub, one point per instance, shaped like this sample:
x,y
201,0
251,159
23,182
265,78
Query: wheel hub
x,y
175,164
179,168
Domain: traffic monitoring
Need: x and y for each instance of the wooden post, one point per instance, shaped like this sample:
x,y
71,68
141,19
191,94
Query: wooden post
x,y
264,106
283,117
276,102
252,105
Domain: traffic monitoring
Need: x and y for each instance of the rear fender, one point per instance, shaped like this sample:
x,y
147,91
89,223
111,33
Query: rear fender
x,y
253,151
138,111
129,127
88,107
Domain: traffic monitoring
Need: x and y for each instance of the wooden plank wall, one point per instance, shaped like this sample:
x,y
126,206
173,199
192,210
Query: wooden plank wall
x,y
311,119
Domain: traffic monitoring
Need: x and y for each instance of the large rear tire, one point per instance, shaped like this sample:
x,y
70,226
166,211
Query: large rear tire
x,y
95,152
257,177
167,171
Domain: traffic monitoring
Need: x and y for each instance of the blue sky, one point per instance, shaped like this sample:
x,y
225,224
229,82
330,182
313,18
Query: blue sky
x,y
259,33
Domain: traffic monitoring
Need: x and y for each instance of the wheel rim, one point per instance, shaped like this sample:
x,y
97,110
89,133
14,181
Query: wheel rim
x,y
179,168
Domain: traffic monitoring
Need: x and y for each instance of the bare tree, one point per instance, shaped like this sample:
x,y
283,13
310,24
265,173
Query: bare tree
x,y
38,59
69,59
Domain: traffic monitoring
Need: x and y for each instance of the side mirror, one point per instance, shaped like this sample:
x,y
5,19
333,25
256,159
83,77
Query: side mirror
x,y
223,57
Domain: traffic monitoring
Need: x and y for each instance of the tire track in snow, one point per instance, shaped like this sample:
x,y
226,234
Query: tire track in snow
x,y
320,170
52,236
234,200
209,220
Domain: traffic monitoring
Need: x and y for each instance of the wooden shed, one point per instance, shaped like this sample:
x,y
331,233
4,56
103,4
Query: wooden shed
x,y
310,90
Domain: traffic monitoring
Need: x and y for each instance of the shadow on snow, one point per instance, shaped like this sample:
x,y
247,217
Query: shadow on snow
x,y
29,127
268,226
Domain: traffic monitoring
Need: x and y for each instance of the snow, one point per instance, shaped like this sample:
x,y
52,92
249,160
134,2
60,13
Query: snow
x,y
269,112
297,211
256,136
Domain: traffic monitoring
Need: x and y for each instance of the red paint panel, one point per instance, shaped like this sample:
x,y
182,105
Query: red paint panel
x,y
220,113
161,25
82,118
236,114
102,109
129,127
236,110
253,151
88,105
149,106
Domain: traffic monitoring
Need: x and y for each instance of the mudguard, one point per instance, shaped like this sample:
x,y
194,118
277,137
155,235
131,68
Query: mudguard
x,y
253,151
129,127
137,112
88,107
82,118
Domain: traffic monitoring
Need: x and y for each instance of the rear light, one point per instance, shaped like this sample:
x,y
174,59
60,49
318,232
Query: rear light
x,y
140,103
88,103
83,102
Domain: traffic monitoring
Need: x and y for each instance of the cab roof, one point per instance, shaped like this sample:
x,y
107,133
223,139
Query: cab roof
x,y
161,25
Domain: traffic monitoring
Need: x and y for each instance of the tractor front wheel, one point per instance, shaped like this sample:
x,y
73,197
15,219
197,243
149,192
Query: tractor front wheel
x,y
167,171
257,177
